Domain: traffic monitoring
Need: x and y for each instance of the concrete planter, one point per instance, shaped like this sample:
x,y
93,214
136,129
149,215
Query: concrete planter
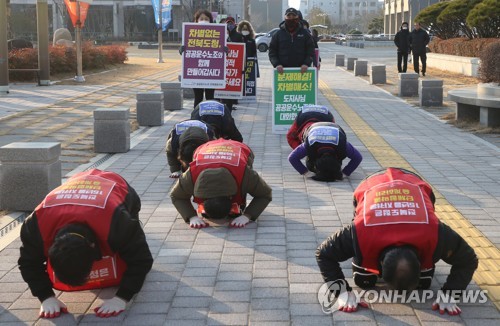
x,y
467,66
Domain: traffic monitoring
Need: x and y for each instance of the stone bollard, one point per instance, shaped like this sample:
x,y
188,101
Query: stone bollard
x,y
111,130
339,60
408,84
430,92
28,172
172,96
377,74
150,108
350,63
360,68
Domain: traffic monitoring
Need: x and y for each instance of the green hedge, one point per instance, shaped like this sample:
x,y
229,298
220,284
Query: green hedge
x,y
461,46
489,69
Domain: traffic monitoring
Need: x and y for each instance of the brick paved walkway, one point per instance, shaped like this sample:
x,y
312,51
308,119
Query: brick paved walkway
x,y
266,274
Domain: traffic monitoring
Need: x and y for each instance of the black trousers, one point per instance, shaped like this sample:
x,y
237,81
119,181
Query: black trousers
x,y
198,95
423,58
402,58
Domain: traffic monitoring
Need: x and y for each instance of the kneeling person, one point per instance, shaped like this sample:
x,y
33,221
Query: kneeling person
x,y
218,179
307,116
396,235
85,235
325,146
219,117
186,135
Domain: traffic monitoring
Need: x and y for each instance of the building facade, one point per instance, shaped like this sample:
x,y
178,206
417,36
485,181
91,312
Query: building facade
x,y
398,11
127,19
352,8
342,11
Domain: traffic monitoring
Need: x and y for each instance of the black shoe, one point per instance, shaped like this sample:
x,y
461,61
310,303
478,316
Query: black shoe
x,y
423,73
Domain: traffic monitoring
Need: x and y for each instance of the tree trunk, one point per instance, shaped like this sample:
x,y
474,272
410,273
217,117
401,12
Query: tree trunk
x,y
9,32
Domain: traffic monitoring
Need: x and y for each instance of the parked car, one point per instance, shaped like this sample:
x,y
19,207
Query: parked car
x,y
264,41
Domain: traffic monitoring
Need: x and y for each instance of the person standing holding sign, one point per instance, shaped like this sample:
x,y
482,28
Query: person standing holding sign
x,y
235,37
85,235
203,57
246,29
292,45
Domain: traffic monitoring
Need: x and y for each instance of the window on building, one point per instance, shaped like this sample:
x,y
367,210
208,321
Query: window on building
x,y
349,4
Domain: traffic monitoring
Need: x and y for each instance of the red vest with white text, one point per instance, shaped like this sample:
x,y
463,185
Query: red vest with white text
x,y
228,154
88,198
394,208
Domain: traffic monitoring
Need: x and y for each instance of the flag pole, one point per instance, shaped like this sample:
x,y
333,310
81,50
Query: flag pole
x,y
160,32
78,35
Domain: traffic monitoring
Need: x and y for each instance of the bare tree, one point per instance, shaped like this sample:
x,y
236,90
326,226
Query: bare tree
x,y
188,9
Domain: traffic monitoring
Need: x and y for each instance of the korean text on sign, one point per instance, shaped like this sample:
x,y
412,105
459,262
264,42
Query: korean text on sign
x,y
235,64
291,91
203,58
394,202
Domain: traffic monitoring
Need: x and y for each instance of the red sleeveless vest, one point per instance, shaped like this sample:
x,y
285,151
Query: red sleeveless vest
x,y
394,209
88,198
228,154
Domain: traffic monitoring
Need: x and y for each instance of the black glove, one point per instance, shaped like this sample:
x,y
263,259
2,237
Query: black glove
x,y
181,49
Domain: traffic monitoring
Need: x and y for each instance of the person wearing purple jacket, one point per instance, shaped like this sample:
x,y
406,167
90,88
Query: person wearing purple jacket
x,y
325,146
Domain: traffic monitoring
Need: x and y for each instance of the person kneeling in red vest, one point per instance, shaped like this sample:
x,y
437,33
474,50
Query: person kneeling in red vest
x,y
396,235
218,179
85,234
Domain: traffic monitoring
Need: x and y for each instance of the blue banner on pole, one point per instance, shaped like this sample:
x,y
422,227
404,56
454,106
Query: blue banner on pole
x,y
166,12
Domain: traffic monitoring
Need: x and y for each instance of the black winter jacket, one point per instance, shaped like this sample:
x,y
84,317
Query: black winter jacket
x,y
234,36
291,49
451,248
126,237
223,126
250,47
418,41
402,41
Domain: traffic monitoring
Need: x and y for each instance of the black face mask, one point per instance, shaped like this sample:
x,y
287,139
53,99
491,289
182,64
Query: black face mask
x,y
291,23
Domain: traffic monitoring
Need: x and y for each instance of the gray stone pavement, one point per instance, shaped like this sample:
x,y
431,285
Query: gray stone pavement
x,y
266,274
